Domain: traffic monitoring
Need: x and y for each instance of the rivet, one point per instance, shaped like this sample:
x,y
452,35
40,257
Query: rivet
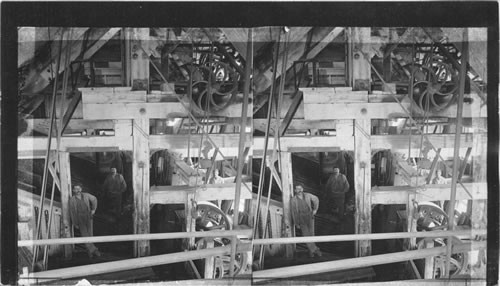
x,y
363,111
142,111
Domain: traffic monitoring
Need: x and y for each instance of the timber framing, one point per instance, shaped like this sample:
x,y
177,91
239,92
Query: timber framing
x,y
178,194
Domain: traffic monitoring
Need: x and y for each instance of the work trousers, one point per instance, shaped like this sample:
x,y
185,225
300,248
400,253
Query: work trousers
x,y
86,229
308,230
338,200
115,203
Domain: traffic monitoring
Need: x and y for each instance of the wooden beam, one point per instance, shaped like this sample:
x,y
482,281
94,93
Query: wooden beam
x,y
321,45
433,166
362,184
209,192
75,100
296,124
65,177
104,95
399,194
398,143
305,144
159,110
140,181
100,43
287,191
297,99
41,125
378,110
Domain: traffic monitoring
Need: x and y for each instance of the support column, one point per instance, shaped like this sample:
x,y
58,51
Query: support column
x,y
287,184
65,177
362,183
360,38
140,181
139,60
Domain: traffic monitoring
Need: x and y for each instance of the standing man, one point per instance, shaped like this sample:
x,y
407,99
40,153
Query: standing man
x,y
304,207
82,207
114,187
337,186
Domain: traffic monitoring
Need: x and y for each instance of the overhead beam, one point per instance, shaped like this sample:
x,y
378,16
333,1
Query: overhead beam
x,y
297,124
209,192
159,110
399,194
384,110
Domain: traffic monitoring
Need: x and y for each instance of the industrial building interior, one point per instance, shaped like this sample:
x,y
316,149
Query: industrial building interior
x,y
212,128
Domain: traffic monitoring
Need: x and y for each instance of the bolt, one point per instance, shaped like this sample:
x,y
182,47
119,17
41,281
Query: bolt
x,y
135,56
356,56
363,111
142,111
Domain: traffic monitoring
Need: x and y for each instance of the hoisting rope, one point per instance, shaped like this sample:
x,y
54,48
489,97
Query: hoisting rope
x,y
47,155
275,142
266,139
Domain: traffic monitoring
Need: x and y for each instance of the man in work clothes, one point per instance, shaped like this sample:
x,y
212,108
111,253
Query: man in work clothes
x,y
114,187
82,207
304,207
337,186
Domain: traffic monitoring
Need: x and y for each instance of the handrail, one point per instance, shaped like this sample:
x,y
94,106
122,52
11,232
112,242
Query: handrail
x,y
343,264
368,236
134,237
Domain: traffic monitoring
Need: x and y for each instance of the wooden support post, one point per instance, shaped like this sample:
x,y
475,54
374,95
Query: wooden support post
x,y
464,164
139,60
65,177
429,261
189,207
362,183
411,210
287,188
433,166
209,261
361,71
140,181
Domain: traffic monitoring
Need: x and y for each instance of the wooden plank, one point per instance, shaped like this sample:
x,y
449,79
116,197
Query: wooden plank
x,y
140,181
379,110
227,144
287,190
399,143
209,192
296,124
65,177
75,125
362,187
70,110
399,194
27,145
324,42
333,95
305,144
151,110
100,95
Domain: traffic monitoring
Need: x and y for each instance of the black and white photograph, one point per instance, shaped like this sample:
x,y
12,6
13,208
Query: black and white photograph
x,y
283,143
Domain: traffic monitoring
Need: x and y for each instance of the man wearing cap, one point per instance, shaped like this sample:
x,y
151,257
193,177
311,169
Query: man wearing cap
x,y
337,186
304,207
82,207
114,187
